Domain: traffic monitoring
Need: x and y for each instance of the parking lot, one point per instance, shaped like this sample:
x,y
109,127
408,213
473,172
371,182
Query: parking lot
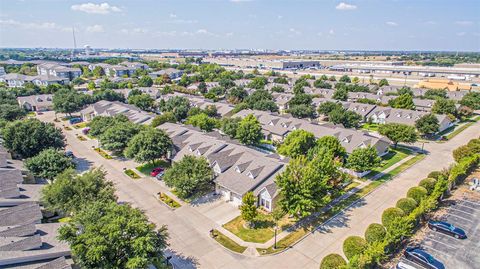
x,y
463,211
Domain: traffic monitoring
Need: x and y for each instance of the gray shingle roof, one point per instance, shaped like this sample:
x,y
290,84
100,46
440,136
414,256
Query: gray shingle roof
x,y
20,214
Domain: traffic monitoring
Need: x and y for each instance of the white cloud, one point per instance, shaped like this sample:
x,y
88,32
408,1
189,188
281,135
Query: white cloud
x,y
34,25
331,32
137,30
172,15
391,23
461,34
279,17
294,31
464,23
345,6
91,8
95,29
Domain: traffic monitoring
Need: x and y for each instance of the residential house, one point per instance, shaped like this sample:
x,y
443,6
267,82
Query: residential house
x,y
18,80
382,115
57,70
359,108
153,92
41,102
277,127
281,100
107,108
238,169
172,73
242,82
423,104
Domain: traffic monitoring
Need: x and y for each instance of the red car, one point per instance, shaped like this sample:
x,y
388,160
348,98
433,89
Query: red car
x,y
156,171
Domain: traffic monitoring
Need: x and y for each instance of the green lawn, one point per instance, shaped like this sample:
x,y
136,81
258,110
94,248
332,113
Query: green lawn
x,y
463,127
370,127
80,125
147,168
389,159
132,174
227,242
263,231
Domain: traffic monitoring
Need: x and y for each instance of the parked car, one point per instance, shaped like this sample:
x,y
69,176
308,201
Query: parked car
x,y
475,184
404,265
447,228
39,113
85,131
156,171
75,120
69,154
421,257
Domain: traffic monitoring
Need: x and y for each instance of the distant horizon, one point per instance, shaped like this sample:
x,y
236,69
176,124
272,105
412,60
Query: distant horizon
x,y
370,25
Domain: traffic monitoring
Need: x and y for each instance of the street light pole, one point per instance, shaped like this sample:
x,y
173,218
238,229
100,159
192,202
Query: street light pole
x,y
275,241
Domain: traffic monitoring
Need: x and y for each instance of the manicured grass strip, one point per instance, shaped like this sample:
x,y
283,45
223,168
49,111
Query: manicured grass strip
x,y
370,127
260,234
147,168
463,127
168,200
131,173
103,153
397,170
227,242
80,125
389,159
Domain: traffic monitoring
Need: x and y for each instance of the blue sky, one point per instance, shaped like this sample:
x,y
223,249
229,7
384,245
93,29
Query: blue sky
x,y
258,24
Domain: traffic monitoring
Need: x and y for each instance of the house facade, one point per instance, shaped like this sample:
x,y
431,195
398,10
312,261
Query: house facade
x,y
41,102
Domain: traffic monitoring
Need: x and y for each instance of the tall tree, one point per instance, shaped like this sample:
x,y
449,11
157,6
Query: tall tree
x,y
99,124
330,143
30,136
116,138
471,100
444,106
145,81
340,94
68,101
142,101
304,184
345,79
249,130
427,124
70,192
398,132
149,145
404,101
383,82
363,159
10,112
109,235
189,175
202,121
248,208
297,143
48,163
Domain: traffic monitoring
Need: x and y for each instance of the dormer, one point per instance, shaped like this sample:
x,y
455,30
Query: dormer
x,y
250,175
39,99
345,140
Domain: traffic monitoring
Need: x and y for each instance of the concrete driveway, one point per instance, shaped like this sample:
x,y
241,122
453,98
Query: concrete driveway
x,y
189,226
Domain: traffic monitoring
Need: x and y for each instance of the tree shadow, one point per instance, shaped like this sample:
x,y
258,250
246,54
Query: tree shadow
x,y
206,199
181,261
82,164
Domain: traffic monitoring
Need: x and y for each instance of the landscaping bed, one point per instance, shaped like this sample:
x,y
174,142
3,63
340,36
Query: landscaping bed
x,y
81,138
168,201
103,153
227,242
132,174
80,125
68,128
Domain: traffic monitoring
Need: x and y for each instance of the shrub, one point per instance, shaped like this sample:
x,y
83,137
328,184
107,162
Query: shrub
x,y
407,205
435,174
428,184
353,245
462,152
390,214
417,193
375,233
332,261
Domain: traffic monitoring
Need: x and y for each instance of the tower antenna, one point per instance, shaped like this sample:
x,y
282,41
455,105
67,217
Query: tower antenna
x,y
74,43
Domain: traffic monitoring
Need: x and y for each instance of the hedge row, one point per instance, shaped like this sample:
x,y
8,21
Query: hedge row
x,y
400,222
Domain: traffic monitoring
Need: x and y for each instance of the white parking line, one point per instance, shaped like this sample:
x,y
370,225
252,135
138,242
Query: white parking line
x,y
450,214
440,242
456,209
469,205
436,251
471,202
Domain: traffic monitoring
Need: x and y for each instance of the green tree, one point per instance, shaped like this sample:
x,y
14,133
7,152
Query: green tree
x,y
164,117
178,105
353,245
109,235
349,119
116,138
428,184
249,130
340,94
391,215
375,233
149,145
297,143
435,94
417,193
363,159
383,82
29,137
202,121
48,163
142,101
229,126
333,261
332,144
99,124
471,100
68,101
355,80
145,81
248,208
404,101
345,79
332,78
326,107
258,83
304,184
10,112
70,192
98,71
407,204
236,95
398,132
444,106
427,124
302,111
189,175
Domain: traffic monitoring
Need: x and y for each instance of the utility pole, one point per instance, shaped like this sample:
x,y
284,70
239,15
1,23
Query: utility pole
x,y
74,44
